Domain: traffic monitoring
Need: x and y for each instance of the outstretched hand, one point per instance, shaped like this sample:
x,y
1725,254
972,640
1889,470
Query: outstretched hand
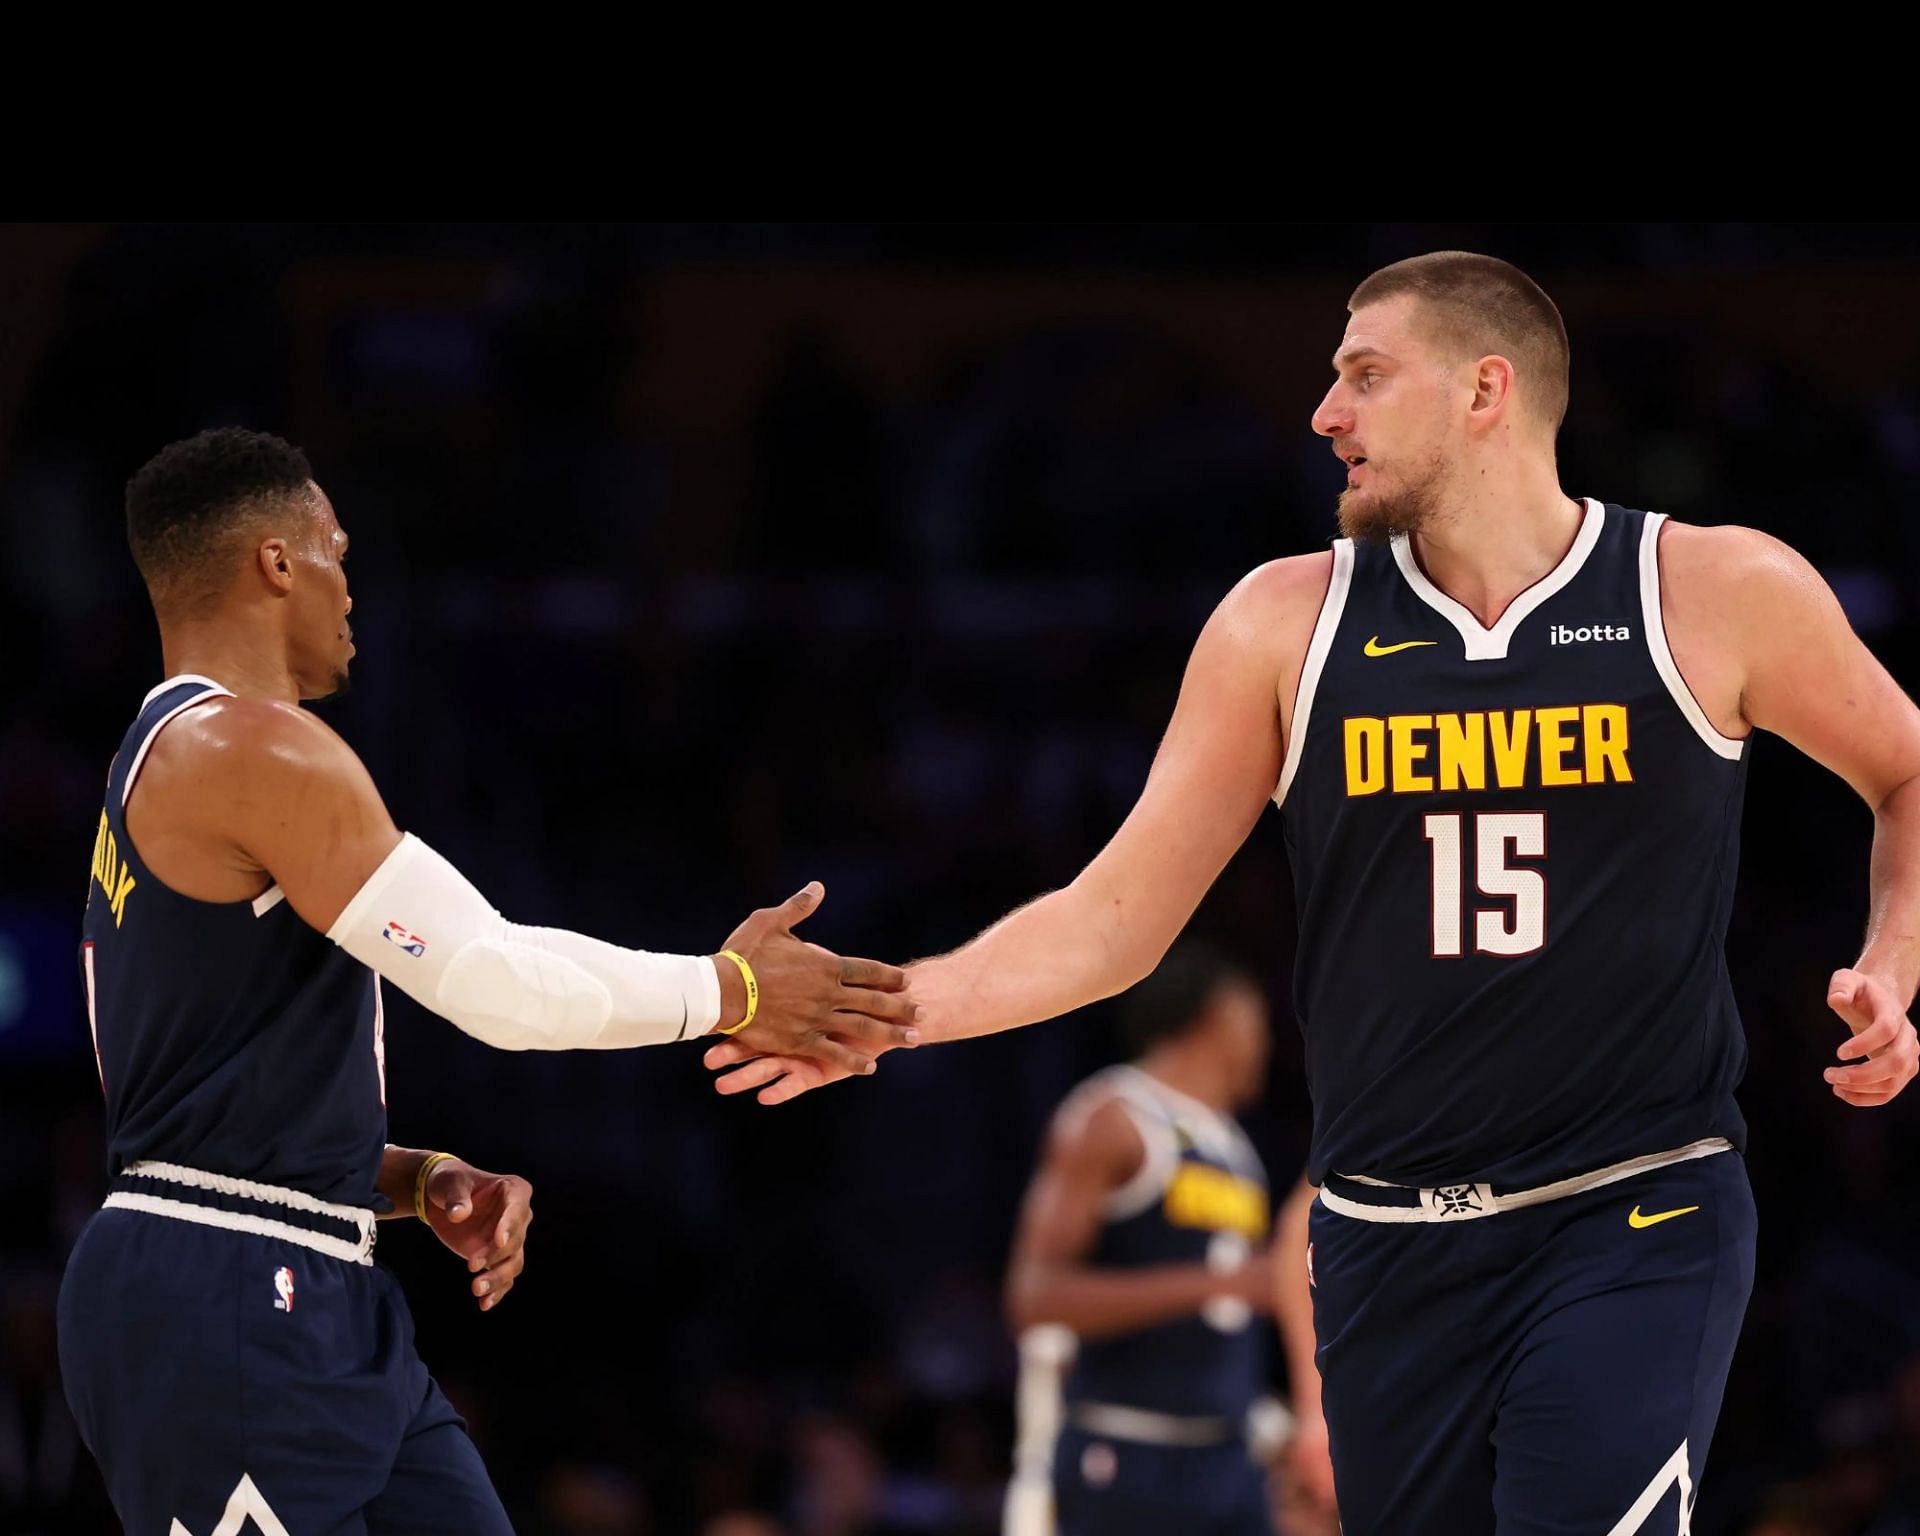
x,y
816,1008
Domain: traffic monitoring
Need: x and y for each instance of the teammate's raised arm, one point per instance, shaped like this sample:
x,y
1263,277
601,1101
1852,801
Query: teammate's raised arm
x,y
1219,764
277,793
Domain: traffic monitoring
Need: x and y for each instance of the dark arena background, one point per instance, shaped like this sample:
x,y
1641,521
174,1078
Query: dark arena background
x,y
691,562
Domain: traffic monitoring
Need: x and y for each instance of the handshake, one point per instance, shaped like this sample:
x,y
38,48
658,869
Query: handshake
x,y
814,1017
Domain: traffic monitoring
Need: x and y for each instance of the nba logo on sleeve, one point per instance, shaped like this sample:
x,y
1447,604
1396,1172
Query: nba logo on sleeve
x,y
393,933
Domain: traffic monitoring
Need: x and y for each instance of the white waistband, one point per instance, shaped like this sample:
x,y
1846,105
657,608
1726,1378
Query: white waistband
x,y
1147,1428
1463,1202
361,1219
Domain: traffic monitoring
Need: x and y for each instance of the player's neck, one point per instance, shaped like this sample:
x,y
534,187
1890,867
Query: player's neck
x,y
249,663
1499,537
1188,1072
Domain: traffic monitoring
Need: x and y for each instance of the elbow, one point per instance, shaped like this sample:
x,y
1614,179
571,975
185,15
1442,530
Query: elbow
x,y
1025,1300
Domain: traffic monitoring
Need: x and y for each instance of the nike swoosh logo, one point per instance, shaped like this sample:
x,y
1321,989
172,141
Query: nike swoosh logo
x,y
1375,648
1637,1221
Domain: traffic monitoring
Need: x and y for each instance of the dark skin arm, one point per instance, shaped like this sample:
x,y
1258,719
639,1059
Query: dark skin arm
x,y
242,793
481,1216
1090,1153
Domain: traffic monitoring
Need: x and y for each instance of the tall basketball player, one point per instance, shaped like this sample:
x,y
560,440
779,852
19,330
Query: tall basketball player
x,y
1507,730
229,1349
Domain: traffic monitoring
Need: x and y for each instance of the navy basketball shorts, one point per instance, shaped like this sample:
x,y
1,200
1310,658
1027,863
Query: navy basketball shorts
x,y
1548,1370
221,1376
1108,1487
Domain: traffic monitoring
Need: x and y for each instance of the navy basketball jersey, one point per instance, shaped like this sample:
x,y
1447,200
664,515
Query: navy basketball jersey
x,y
1200,1197
231,1037
1514,853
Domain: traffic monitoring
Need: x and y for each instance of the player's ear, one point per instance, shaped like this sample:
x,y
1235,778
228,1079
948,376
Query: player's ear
x,y
276,563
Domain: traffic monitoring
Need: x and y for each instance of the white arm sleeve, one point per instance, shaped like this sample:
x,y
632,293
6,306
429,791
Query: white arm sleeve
x,y
421,924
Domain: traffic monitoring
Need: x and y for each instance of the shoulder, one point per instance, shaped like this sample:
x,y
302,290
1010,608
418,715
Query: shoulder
x,y
1738,569
255,739
1270,612
1283,588
1094,1133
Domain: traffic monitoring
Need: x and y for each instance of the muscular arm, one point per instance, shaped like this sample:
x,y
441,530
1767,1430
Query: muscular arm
x,y
242,791
1216,768
1090,1153
1766,645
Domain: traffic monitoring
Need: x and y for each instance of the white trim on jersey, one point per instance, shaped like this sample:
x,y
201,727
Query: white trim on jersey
x,y
93,1017
174,682
1674,1471
1331,607
1161,1114
140,757
268,899
1654,621
1483,644
1156,1168
1485,1203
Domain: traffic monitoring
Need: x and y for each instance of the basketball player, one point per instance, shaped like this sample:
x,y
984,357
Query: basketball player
x,y
1507,730
1144,1233
229,1350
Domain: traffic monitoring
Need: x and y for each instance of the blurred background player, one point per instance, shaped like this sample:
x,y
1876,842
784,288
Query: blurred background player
x,y
1143,1259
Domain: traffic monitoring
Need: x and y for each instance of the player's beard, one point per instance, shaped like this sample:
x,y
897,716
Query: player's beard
x,y
1374,517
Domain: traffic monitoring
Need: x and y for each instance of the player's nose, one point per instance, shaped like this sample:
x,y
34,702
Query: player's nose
x,y
1332,417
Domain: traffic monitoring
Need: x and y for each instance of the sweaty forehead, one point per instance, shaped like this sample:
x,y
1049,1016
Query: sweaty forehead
x,y
329,522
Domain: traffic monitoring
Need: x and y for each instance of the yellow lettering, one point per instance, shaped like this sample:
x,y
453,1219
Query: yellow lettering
x,y
1366,755
1463,751
116,881
1214,1200
1555,744
120,891
1606,730
1408,750
1510,747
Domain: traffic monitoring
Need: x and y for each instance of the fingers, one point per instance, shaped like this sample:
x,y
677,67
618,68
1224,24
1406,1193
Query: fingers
x,y
728,1053
829,1052
1849,994
801,904
1870,1074
450,1188
514,1221
895,1007
757,1073
870,1031
789,1087
1877,1036
493,1286
855,972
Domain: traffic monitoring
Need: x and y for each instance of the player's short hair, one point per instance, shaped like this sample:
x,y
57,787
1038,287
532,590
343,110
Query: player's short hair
x,y
192,499
1477,305
1169,1001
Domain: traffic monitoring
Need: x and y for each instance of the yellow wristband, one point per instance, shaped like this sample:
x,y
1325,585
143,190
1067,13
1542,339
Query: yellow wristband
x,y
420,1181
753,995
